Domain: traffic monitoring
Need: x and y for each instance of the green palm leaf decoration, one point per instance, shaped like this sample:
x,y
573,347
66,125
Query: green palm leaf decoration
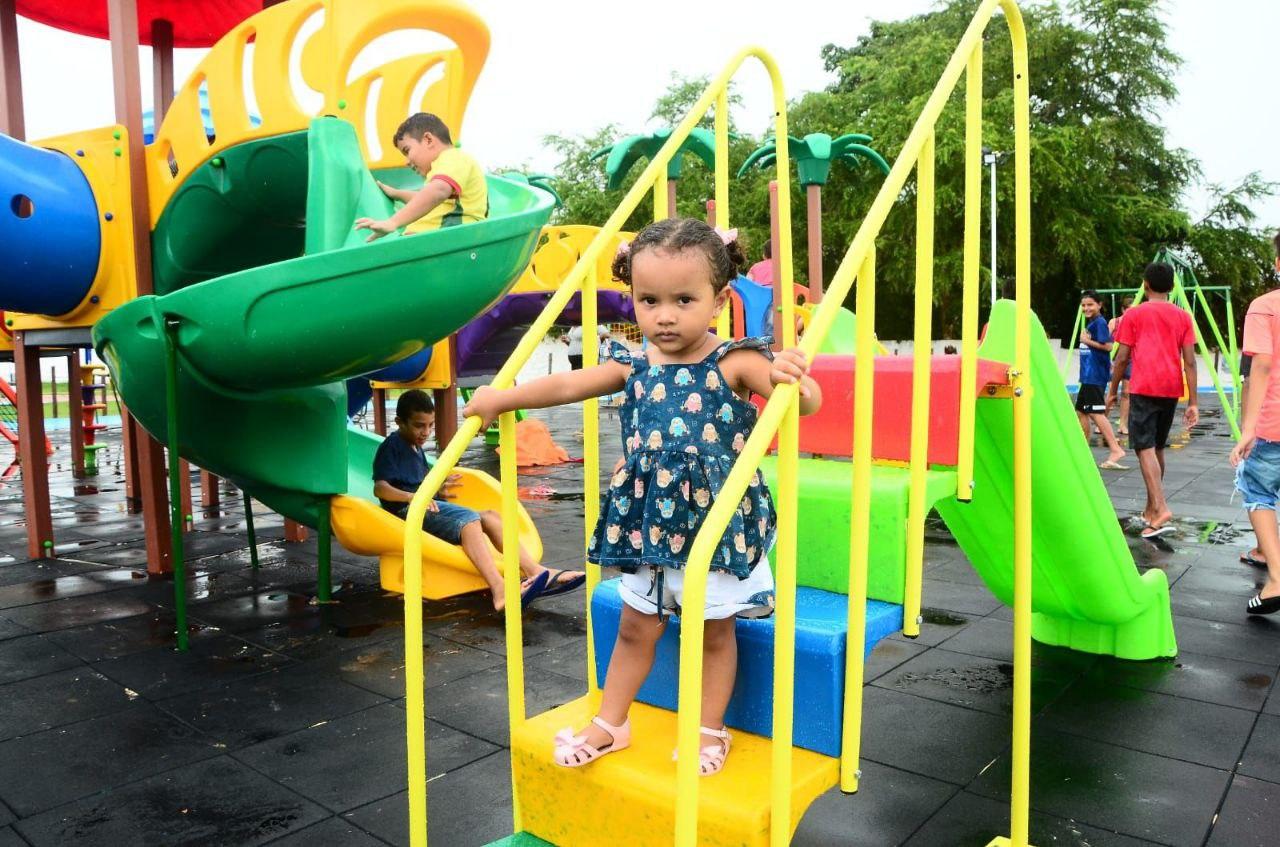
x,y
814,154
625,153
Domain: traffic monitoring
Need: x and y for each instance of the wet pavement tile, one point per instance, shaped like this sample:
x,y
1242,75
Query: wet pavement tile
x,y
938,626
120,637
972,681
1248,816
888,807
59,587
47,769
9,838
452,797
33,655
1190,730
6,817
969,820
1251,640
992,638
319,762
928,737
1212,679
1262,755
252,611
334,832
163,672
542,631
380,667
477,704
1140,794
216,802
268,705
57,699
9,629
40,570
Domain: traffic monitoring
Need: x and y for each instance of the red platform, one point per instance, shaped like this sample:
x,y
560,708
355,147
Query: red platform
x,y
830,431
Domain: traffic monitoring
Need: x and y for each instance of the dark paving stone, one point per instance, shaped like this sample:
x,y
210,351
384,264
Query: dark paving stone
x,y
201,587
542,631
477,704
131,555
380,667
960,597
9,629
1189,730
56,699
992,638
6,818
334,832
256,610
116,638
1262,755
41,570
972,681
1211,605
889,806
319,762
163,672
1227,682
269,705
48,768
927,737
9,838
1272,706
1251,640
1248,817
938,626
217,802
78,611
889,654
59,587
1114,788
452,819
568,659
316,637
35,655
969,820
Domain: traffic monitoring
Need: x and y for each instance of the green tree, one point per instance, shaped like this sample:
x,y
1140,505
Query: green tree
x,y
1106,187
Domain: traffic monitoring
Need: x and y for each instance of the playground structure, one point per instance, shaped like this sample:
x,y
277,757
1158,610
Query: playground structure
x,y
197,373
1190,295
948,447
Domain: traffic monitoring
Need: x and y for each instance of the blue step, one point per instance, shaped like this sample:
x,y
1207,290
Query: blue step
x,y
821,627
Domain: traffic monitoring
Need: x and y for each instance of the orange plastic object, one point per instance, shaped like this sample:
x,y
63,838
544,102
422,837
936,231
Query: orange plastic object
x,y
535,447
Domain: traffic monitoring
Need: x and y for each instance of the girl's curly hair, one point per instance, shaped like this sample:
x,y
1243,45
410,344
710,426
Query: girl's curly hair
x,y
676,235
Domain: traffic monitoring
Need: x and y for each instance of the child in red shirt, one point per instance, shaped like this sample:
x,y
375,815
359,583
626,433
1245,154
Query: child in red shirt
x,y
1257,455
1160,339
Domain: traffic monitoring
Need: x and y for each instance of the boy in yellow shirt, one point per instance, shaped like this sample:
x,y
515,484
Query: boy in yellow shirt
x,y
454,191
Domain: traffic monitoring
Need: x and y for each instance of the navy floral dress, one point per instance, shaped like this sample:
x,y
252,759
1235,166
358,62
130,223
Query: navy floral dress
x,y
682,430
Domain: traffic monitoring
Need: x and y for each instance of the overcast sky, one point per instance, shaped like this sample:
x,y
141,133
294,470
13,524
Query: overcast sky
x,y
567,69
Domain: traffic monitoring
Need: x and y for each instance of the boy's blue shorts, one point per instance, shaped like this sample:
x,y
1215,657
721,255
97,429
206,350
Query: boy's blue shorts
x,y
446,523
1258,477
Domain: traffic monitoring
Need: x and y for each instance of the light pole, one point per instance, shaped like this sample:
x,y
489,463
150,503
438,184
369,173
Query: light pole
x,y
990,157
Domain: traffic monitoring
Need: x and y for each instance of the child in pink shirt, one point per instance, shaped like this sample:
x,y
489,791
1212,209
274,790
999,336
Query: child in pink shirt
x,y
1256,457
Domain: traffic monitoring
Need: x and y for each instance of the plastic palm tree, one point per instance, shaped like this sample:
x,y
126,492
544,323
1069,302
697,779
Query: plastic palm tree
x,y
625,153
813,156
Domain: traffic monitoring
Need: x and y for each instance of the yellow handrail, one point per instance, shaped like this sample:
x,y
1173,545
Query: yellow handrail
x,y
579,278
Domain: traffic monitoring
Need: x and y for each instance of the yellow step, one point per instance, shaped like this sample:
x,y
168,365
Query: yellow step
x,y
628,799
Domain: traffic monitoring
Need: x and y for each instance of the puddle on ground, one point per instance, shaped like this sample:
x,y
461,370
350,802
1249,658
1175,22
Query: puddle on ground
x,y
940,618
985,679
1257,680
363,630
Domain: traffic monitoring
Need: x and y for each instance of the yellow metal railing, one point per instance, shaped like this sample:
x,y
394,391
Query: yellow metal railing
x,y
780,416
582,278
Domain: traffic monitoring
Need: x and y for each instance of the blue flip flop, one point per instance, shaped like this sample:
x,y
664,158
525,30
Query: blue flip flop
x,y
534,589
558,587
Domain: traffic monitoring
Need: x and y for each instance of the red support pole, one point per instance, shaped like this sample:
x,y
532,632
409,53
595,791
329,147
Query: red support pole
x,y
380,411
122,21
11,118
711,213
774,234
210,496
161,69
31,452
129,458
75,404
671,198
814,226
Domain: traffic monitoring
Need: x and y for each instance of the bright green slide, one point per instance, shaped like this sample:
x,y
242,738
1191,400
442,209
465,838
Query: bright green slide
x,y
1086,591
263,349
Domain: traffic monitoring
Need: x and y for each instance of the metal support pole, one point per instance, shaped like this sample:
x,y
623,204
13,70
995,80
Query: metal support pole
x,y
175,482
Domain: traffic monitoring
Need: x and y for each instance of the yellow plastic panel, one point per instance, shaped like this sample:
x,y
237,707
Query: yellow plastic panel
x,y
108,176
559,251
365,528
634,789
438,373
348,26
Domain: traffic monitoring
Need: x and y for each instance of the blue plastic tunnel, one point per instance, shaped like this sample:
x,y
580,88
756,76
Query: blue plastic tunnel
x,y
50,236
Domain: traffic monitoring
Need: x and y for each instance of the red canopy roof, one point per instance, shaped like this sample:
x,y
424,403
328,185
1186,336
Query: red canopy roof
x,y
196,23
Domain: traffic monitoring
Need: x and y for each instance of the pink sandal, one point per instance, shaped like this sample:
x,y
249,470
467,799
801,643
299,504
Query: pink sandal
x,y
711,758
573,751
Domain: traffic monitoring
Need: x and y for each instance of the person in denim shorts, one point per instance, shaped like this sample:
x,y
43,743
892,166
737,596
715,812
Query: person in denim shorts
x,y
1256,457
400,466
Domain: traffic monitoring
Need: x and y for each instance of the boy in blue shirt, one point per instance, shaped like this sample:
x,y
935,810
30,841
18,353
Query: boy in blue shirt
x,y
1095,373
399,467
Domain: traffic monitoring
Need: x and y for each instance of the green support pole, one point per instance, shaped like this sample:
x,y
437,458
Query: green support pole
x,y
248,522
324,591
175,485
1236,381
1075,343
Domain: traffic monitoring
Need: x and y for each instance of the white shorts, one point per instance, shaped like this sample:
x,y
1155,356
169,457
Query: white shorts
x,y
727,595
